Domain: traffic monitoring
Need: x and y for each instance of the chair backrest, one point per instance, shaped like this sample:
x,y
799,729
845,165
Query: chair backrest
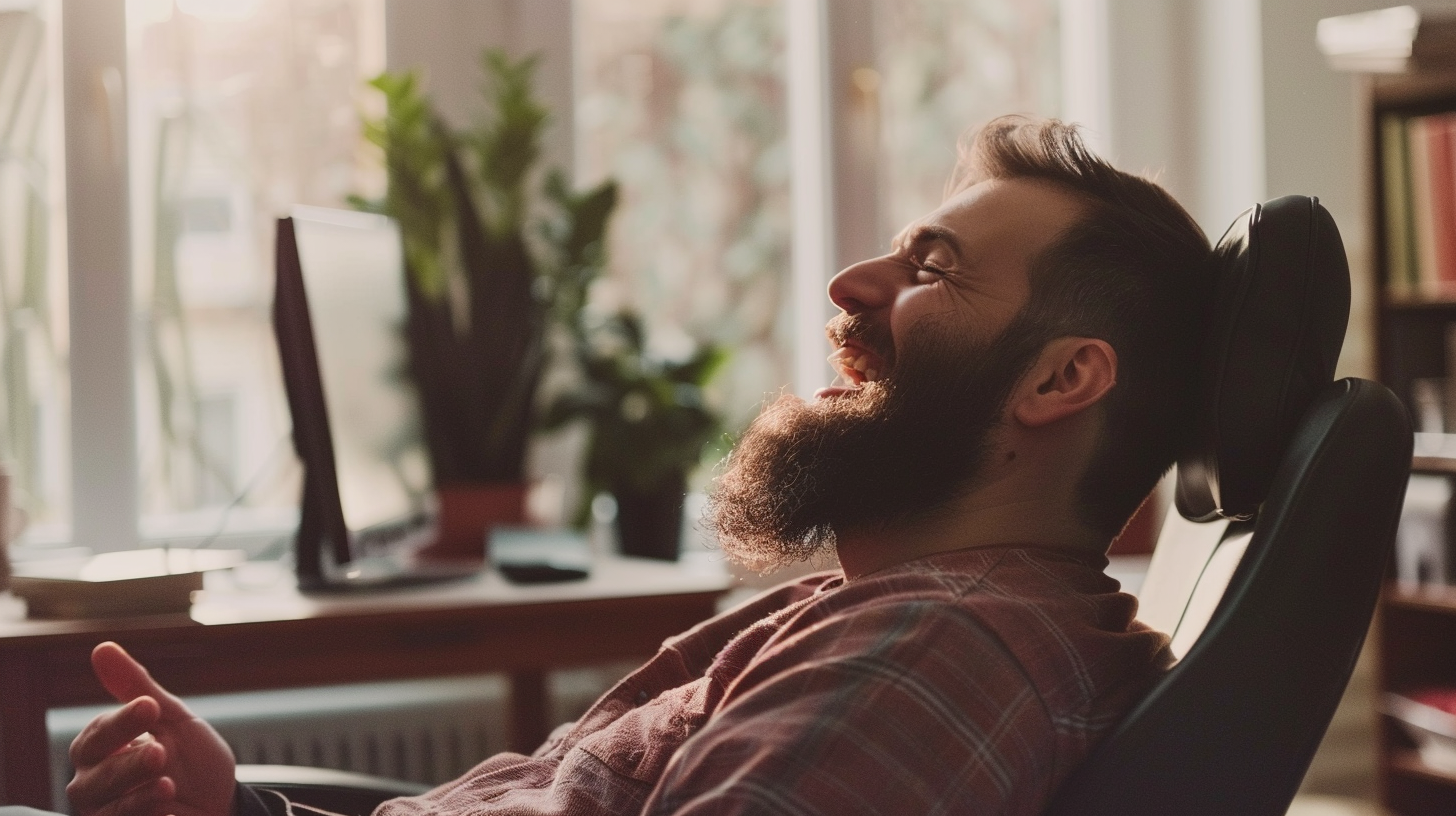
x,y
1268,615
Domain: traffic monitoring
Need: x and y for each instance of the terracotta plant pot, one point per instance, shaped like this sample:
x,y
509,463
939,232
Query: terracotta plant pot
x,y
650,525
467,512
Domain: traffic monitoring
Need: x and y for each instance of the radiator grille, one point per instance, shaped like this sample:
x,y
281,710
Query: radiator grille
x,y
427,731
421,735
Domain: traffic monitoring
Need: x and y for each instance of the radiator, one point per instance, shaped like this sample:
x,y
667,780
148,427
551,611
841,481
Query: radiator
x,y
427,731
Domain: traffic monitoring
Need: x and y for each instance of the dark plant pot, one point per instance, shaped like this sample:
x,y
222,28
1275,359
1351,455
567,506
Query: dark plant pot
x,y
650,525
466,515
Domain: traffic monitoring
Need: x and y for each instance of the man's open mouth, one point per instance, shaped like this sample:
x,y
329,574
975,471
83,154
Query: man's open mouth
x,y
857,365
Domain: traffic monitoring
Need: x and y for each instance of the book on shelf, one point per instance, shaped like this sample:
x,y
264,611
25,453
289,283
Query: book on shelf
x,y
1418,158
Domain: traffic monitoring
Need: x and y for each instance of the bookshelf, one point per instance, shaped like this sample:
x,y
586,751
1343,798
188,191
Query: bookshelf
x,y
1417,631
1415,290
1415,225
1410,120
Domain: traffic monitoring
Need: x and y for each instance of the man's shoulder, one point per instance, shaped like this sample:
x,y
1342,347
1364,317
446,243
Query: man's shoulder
x,y
950,594
1055,614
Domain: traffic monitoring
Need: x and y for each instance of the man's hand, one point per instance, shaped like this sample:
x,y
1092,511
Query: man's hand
x,y
149,757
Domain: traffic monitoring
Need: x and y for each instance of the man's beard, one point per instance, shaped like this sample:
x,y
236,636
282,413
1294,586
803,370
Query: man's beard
x,y
896,451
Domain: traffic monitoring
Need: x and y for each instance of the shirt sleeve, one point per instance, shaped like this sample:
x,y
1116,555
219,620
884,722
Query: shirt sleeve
x,y
905,708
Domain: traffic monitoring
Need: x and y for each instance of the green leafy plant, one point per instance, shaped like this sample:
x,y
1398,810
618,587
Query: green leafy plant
x,y
486,274
647,418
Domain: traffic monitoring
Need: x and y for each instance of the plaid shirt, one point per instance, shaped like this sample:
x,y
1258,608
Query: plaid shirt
x,y
968,682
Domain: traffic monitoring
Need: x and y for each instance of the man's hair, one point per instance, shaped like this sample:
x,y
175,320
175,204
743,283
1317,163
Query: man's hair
x,y
1134,271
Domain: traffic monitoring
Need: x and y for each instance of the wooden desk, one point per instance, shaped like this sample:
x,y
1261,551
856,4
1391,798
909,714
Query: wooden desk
x,y
272,638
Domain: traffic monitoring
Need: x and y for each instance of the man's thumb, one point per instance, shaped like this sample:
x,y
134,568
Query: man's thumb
x,y
126,679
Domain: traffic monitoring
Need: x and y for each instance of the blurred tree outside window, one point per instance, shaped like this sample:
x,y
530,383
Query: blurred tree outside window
x,y
34,383
683,102
942,67
239,110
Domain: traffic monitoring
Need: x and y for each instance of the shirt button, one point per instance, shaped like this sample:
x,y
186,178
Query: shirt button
x,y
641,696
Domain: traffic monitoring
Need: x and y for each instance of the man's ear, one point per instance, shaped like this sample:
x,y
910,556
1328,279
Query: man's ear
x,y
1071,375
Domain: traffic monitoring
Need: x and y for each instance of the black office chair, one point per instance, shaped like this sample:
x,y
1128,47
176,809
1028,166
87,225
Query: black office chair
x,y
1318,470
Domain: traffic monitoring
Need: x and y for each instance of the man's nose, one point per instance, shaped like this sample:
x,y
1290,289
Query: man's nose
x,y
866,286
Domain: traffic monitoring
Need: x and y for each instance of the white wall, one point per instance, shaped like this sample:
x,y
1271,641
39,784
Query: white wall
x,y
1229,102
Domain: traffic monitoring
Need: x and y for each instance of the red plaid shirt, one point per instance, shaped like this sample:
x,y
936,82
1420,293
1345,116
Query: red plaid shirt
x,y
969,682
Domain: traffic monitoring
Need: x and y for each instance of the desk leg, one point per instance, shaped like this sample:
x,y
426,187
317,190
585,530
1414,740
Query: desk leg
x,y
528,711
25,766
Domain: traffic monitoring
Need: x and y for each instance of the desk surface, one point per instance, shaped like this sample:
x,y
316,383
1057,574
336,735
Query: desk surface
x,y
244,634
258,593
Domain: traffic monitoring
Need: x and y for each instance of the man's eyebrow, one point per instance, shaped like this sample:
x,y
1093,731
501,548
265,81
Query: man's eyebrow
x,y
929,233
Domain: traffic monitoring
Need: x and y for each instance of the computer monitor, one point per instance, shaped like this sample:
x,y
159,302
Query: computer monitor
x,y
338,314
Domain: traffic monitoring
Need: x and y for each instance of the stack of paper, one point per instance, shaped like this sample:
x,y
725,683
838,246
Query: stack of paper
x,y
118,584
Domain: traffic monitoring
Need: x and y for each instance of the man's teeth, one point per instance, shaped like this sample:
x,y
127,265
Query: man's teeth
x,y
856,370
862,365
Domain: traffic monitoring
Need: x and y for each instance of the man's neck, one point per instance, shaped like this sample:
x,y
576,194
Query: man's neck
x,y
1003,510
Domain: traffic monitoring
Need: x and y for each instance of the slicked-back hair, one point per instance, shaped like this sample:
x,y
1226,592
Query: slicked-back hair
x,y
1134,271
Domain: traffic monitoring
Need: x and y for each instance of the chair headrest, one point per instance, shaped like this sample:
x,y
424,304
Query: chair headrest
x,y
1281,300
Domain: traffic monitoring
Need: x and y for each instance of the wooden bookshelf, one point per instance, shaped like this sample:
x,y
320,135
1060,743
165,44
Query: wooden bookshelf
x,y
1417,632
1410,120
1416,627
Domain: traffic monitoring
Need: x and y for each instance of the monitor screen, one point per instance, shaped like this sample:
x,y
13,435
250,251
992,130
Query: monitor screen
x,y
353,273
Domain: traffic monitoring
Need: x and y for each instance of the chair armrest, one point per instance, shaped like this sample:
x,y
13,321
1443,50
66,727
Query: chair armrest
x,y
328,789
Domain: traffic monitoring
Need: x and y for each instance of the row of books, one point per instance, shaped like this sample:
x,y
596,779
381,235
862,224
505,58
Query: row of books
x,y
1418,158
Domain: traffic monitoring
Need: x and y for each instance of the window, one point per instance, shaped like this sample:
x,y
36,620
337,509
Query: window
x,y
239,110
34,436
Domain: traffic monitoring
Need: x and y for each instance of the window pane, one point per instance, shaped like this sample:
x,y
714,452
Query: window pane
x,y
682,101
240,109
945,66
34,438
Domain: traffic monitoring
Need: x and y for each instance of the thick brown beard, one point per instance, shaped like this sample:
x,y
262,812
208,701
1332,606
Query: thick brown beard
x,y
895,451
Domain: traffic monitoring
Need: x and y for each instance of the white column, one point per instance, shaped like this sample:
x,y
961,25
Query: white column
x,y
1230,115
1085,69
811,189
1174,89
104,470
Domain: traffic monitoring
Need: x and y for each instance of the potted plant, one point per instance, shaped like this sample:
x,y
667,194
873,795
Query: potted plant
x,y
489,268
648,424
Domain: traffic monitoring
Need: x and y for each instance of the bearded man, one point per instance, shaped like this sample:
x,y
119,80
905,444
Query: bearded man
x,y
1016,377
